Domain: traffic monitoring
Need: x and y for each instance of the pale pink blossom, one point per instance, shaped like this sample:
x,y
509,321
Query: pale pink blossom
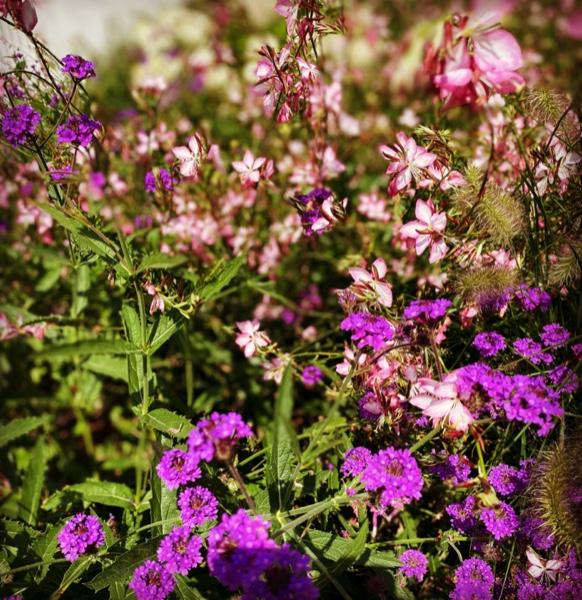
x,y
249,168
407,161
427,231
189,156
440,401
370,285
374,207
250,339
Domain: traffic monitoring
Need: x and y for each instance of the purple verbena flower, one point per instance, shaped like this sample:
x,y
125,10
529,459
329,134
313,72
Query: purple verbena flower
x,y
456,469
464,515
564,379
179,551
427,310
197,506
319,211
152,580
284,577
150,182
368,330
507,480
413,564
235,548
554,335
80,534
500,520
177,467
19,124
532,350
78,130
311,376
489,343
355,461
395,475
78,67
474,580
532,298
535,530
217,436
160,178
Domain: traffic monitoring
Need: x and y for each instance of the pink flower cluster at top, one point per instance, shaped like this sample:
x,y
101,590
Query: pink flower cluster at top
x,y
476,58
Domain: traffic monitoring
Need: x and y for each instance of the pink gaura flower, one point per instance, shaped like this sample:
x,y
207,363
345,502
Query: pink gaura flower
x,y
369,285
477,58
250,339
249,168
407,161
190,156
427,231
439,400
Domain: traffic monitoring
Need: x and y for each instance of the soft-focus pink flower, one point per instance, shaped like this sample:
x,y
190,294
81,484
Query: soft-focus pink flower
x,y
374,207
189,156
440,401
427,231
250,339
369,285
407,160
249,168
477,58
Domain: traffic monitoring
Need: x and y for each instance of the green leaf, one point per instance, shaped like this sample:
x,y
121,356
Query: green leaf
x,y
219,277
110,366
135,370
185,591
19,427
64,351
161,261
168,422
45,547
164,327
82,285
117,591
72,574
353,550
107,493
33,483
282,460
122,568
83,235
334,548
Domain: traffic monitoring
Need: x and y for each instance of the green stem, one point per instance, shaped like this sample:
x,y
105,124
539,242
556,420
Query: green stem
x,y
241,486
426,438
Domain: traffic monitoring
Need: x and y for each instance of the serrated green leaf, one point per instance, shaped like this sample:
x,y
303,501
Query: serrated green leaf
x,y
45,547
117,591
282,459
168,422
218,278
353,550
85,347
164,327
33,482
19,427
72,574
107,493
135,369
110,366
122,568
161,261
185,591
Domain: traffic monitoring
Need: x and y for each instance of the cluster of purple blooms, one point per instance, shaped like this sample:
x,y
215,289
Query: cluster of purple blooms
x,y
413,564
471,518
242,556
78,67
426,311
78,130
474,579
368,331
19,124
311,376
456,469
310,208
393,474
163,181
81,534
532,298
489,343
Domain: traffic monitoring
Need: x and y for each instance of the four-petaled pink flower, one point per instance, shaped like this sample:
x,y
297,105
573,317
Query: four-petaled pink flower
x,y
369,285
249,168
189,156
440,401
477,59
250,338
407,161
427,231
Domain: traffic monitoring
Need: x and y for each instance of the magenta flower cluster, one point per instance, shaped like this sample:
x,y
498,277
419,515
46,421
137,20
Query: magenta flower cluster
x,y
19,124
78,67
81,534
368,331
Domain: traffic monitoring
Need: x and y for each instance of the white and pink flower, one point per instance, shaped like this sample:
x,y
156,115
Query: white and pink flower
x,y
427,231
250,338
